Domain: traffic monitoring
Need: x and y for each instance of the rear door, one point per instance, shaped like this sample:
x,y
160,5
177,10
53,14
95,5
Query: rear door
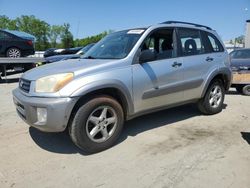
x,y
197,63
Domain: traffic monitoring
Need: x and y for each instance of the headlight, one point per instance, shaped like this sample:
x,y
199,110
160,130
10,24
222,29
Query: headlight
x,y
53,83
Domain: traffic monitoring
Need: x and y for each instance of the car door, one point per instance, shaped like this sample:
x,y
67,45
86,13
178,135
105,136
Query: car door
x,y
197,63
157,83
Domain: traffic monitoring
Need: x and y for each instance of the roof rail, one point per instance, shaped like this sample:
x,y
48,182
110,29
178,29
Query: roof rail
x,y
196,25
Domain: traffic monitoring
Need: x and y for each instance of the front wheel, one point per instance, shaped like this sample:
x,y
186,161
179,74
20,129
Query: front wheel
x,y
212,102
97,124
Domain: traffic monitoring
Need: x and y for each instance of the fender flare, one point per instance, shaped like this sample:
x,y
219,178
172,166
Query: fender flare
x,y
226,72
104,84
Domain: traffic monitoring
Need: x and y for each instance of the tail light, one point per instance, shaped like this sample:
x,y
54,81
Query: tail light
x,y
29,42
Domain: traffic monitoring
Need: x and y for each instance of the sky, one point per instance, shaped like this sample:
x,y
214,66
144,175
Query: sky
x,y
90,17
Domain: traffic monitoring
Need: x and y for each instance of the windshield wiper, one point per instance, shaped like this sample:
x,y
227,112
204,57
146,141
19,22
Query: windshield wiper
x,y
89,57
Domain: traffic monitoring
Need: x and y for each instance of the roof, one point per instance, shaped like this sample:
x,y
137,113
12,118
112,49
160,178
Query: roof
x,y
186,23
21,34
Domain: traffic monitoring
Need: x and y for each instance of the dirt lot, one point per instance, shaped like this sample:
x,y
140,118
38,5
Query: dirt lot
x,y
173,148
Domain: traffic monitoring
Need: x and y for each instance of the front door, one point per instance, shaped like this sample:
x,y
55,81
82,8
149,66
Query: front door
x,y
158,83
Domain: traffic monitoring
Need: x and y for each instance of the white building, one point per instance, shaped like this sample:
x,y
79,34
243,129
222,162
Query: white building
x,y
247,37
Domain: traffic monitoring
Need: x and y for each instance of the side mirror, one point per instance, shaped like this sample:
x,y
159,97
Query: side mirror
x,y
146,56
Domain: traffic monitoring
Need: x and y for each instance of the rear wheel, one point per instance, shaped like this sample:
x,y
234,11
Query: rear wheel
x,y
212,102
13,53
97,124
246,90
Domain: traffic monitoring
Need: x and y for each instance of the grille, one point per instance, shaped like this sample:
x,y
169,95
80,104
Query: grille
x,y
24,85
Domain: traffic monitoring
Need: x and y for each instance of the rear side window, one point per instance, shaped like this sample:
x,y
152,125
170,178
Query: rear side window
x,y
190,42
213,44
4,36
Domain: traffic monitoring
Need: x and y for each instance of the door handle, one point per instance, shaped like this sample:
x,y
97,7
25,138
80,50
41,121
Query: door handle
x,y
176,64
209,59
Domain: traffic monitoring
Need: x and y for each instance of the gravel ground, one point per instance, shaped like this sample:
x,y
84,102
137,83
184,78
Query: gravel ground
x,y
173,148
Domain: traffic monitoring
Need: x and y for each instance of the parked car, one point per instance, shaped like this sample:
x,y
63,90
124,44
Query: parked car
x,y
126,74
80,52
71,50
240,59
55,51
240,65
16,44
52,51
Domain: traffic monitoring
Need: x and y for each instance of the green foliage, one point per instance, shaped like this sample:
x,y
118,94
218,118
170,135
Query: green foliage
x,y
56,36
240,39
88,40
67,37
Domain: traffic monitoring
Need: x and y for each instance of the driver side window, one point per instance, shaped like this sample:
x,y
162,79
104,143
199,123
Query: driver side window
x,y
161,43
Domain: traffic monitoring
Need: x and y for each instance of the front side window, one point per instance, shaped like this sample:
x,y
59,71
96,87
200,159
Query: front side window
x,y
161,43
191,43
115,45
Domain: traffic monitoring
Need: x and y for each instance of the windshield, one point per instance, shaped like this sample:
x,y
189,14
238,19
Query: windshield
x,y
115,45
240,54
85,49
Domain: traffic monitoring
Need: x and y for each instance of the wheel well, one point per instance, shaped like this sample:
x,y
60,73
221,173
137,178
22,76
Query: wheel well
x,y
112,92
224,80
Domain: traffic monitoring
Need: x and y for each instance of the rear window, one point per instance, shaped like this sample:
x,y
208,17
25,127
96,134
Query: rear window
x,y
213,44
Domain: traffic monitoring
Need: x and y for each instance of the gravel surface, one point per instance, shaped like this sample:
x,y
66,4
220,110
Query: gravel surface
x,y
173,148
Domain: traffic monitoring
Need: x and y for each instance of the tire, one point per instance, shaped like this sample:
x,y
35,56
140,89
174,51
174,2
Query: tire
x,y
246,90
239,89
88,129
212,102
13,53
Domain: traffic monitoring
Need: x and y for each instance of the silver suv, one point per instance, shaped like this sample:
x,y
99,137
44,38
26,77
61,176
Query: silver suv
x,y
127,74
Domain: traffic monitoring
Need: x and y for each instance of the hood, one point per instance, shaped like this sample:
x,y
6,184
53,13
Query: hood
x,y
77,66
55,58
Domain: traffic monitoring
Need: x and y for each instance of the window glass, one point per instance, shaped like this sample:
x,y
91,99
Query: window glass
x,y
214,44
191,43
115,45
1,35
161,43
240,54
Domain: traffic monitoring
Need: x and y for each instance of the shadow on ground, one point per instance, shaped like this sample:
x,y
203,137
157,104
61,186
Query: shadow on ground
x,y
246,136
61,142
9,80
233,92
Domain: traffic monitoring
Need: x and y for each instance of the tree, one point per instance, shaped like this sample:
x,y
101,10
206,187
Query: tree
x,y
7,23
40,29
56,32
67,37
240,39
92,39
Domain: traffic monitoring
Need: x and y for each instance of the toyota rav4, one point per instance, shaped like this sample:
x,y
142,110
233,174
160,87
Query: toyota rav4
x,y
127,74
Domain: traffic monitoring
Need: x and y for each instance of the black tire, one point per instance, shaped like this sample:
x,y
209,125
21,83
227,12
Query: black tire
x,y
239,89
204,105
78,129
13,52
246,90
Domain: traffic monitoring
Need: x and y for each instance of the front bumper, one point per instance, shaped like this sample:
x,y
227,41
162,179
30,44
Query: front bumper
x,y
58,111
